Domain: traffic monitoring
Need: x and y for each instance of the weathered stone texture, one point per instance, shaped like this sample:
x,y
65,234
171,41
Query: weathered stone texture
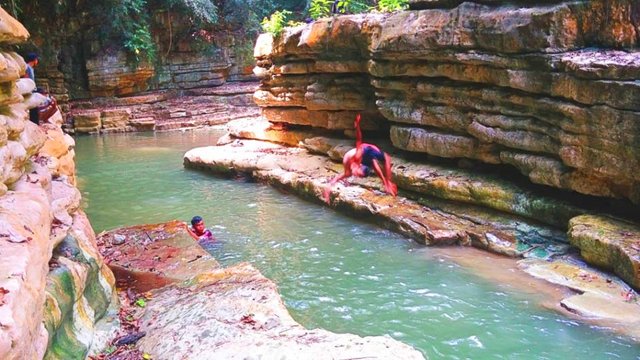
x,y
11,30
165,110
609,243
39,210
543,88
111,75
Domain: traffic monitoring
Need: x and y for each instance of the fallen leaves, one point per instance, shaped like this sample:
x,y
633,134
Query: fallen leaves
x,y
123,346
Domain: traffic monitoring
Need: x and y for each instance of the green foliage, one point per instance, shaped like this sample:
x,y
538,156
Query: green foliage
x,y
392,5
355,6
128,26
140,43
276,23
13,7
320,8
199,12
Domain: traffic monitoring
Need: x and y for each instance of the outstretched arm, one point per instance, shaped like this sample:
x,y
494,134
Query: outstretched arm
x,y
358,131
346,163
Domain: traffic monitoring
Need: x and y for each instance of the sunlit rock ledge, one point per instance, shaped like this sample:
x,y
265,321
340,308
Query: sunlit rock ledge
x,y
433,221
198,310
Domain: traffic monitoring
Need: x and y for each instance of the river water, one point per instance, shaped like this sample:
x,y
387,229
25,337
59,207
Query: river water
x,y
333,272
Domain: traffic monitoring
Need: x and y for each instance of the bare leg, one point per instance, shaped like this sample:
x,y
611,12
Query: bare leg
x,y
389,187
387,171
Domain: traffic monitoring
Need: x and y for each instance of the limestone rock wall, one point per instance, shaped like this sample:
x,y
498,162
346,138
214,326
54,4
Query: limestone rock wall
x,y
549,89
54,285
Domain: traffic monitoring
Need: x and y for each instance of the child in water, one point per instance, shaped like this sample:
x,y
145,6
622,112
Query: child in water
x,y
198,231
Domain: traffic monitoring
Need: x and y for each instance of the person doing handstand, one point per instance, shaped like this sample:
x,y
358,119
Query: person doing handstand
x,y
198,231
361,161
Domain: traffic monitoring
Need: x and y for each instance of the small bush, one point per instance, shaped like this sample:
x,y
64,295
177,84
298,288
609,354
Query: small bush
x,y
392,5
320,8
276,23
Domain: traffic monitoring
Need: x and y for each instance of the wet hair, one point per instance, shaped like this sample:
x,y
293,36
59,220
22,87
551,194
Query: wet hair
x,y
31,57
195,220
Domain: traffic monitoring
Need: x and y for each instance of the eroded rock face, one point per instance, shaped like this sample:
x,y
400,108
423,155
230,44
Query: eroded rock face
x,y
80,63
520,85
54,286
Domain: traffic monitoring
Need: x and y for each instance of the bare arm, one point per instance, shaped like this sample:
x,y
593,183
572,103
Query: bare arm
x,y
191,233
358,131
346,164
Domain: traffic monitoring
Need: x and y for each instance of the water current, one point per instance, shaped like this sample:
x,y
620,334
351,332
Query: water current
x,y
333,272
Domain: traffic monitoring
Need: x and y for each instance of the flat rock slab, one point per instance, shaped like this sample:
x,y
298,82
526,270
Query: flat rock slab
x,y
599,296
147,257
236,313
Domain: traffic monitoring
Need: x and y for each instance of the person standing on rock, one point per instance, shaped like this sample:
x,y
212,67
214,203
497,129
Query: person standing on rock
x,y
32,60
198,231
362,161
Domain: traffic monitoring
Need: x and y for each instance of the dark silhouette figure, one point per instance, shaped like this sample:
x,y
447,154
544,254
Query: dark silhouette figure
x,y
338,7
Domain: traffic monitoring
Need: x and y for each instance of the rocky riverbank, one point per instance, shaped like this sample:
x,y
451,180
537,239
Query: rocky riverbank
x,y
55,291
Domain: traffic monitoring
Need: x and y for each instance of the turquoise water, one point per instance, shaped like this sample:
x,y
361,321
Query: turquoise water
x,y
333,272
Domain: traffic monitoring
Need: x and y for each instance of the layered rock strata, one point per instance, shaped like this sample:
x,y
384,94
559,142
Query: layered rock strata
x,y
549,89
165,110
200,310
78,61
54,286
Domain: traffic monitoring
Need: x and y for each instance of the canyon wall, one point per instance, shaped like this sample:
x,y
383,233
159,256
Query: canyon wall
x,y
54,285
78,60
548,89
